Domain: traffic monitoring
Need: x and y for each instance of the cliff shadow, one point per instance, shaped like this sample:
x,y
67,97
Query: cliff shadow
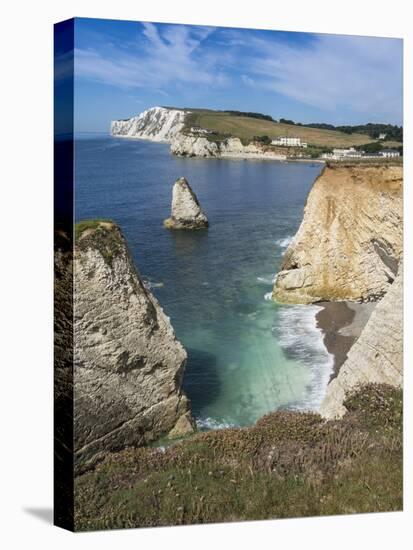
x,y
201,381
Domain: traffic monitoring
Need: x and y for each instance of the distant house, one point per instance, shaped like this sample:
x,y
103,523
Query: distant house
x,y
199,130
382,135
286,141
342,154
389,153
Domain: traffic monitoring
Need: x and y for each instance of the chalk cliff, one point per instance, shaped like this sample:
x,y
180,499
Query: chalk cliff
x,y
188,145
186,212
164,124
128,363
376,357
155,124
349,243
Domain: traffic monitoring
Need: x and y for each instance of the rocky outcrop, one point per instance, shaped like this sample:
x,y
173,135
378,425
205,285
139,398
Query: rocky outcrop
x,y
128,364
155,124
186,212
376,357
349,243
188,145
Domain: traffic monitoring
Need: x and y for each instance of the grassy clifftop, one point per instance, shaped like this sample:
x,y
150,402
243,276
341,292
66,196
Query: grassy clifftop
x,y
247,127
101,234
288,465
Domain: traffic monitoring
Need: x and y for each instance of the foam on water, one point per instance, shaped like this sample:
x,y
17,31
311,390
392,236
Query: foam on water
x,y
266,280
300,338
213,424
284,242
212,284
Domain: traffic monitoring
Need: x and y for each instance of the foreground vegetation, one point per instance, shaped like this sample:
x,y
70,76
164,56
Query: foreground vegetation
x,y
288,465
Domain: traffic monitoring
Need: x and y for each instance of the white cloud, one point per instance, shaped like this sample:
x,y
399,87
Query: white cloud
x,y
334,73
172,56
340,75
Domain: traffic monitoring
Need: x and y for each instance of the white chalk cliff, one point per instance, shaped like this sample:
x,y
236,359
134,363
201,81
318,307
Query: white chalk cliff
x,y
198,146
164,124
155,124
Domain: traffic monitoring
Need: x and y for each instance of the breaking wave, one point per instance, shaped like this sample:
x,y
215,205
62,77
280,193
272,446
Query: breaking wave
x,y
213,424
300,339
284,242
266,280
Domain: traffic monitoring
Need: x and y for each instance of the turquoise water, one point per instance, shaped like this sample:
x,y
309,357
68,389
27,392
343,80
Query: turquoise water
x,y
246,355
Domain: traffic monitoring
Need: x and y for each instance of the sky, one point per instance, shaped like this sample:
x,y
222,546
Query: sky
x,y
125,67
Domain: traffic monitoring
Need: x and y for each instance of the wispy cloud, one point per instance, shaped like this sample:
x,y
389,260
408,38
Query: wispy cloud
x,y
340,75
173,56
334,72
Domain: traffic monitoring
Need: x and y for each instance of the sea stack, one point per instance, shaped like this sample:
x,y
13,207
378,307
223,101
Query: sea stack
x,y
186,213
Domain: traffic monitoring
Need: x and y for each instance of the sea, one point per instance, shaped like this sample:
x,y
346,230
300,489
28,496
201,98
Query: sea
x,y
247,355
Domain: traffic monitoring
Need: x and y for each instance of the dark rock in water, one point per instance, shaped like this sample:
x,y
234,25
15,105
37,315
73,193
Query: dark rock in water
x,y
186,212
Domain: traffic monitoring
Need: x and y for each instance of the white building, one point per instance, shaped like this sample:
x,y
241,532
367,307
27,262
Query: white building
x,y
382,136
199,130
286,141
389,153
342,154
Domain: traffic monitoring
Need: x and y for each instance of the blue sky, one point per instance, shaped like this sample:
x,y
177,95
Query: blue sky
x,y
125,67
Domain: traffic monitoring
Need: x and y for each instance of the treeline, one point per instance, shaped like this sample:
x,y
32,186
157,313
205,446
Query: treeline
x,y
251,115
371,129
376,147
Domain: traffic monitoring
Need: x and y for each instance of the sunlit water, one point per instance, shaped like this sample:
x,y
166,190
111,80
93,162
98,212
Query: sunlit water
x,y
247,355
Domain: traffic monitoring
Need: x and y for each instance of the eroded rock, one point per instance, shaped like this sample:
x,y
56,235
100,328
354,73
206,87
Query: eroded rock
x,y
376,357
128,364
350,241
186,212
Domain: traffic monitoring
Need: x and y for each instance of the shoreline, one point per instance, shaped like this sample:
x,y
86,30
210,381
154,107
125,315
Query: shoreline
x,y
226,156
341,324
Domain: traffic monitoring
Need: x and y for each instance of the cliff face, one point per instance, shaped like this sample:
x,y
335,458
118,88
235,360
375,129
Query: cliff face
x,y
128,362
196,146
155,124
167,125
376,357
349,243
186,212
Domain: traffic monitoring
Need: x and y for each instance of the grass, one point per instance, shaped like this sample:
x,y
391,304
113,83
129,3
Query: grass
x,y
246,128
101,234
92,225
288,465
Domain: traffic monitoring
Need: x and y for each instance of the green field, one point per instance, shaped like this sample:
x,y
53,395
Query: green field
x,y
246,128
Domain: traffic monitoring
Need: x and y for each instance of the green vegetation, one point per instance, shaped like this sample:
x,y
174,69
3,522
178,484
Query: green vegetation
x,y
373,147
250,115
288,465
92,225
101,234
246,128
265,140
371,129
